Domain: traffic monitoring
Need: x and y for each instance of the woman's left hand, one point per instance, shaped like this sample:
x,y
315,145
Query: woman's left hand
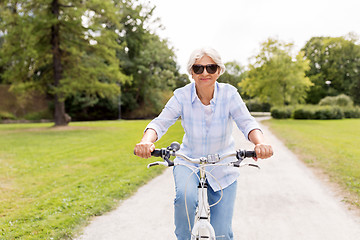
x,y
263,151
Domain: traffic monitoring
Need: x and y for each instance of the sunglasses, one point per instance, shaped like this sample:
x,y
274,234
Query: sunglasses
x,y
210,68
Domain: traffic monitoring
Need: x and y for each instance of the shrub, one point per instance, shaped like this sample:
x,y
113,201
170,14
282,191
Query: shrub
x,y
328,113
341,100
318,112
34,116
315,112
6,116
352,112
254,105
281,112
304,112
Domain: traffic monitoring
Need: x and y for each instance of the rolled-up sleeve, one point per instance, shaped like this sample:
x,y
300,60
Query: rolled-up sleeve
x,y
167,117
241,115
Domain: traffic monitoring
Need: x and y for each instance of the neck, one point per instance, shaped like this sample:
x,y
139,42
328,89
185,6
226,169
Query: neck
x,y
205,94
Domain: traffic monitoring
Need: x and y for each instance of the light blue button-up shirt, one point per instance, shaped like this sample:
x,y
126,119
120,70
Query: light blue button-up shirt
x,y
201,139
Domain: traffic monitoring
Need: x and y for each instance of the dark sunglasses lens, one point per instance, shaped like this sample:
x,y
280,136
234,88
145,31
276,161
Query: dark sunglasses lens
x,y
211,68
198,69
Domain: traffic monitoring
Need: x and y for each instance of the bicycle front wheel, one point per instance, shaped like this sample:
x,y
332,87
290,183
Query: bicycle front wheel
x,y
203,230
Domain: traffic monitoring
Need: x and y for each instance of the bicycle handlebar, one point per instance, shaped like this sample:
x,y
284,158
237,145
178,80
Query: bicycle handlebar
x,y
165,153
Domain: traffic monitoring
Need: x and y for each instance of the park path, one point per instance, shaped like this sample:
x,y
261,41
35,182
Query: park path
x,y
284,200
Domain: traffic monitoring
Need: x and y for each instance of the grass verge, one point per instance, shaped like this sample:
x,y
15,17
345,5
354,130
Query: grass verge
x,y
330,145
52,180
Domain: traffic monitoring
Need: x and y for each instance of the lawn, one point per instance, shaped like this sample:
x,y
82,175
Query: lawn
x,y
329,145
52,180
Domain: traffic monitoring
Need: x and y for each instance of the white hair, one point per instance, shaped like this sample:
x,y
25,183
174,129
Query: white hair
x,y
207,51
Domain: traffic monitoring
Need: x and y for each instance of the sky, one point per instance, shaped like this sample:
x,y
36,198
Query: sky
x,y
235,28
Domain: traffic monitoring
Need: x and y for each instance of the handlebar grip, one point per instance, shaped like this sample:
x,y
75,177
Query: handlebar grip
x,y
241,154
156,153
250,154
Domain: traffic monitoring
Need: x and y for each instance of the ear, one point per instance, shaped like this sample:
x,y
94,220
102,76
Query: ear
x,y
218,72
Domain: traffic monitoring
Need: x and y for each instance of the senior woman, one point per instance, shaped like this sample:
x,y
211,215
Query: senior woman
x,y
207,110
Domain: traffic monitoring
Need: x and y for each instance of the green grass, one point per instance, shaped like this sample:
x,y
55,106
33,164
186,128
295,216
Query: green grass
x,y
53,179
330,145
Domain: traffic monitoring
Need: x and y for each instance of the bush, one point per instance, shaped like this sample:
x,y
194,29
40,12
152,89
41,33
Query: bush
x,y
341,100
315,112
352,112
318,112
254,105
304,112
82,108
281,112
35,116
328,113
7,116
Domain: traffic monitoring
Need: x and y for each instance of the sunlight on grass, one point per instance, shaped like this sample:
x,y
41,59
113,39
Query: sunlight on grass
x,y
53,179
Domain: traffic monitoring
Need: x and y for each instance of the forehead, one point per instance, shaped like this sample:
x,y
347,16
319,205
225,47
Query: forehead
x,y
204,60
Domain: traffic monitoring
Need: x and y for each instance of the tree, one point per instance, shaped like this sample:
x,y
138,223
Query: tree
x,y
276,77
150,62
154,71
61,48
233,75
1,66
334,67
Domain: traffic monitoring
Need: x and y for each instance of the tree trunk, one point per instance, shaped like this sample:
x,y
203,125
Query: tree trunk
x,y
284,95
60,117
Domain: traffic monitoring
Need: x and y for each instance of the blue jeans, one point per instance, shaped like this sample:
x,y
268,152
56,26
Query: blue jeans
x,y
221,214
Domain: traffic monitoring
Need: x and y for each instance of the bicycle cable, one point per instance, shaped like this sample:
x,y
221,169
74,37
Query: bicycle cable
x,y
195,173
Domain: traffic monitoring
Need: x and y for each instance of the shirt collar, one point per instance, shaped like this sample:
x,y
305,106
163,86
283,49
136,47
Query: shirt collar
x,y
194,95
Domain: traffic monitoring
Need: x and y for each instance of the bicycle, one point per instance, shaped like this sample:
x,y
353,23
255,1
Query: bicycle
x,y
202,228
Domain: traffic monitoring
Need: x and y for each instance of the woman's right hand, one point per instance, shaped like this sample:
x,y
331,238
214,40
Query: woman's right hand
x,y
144,149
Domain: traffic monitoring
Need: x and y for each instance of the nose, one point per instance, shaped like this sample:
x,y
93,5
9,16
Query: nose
x,y
205,72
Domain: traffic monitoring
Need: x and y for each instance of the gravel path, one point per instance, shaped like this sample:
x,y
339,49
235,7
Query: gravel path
x,y
283,200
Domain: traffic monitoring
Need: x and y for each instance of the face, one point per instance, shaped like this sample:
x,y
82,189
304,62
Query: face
x,y
205,79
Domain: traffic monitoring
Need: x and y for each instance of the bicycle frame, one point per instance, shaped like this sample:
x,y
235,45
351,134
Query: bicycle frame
x,y
202,228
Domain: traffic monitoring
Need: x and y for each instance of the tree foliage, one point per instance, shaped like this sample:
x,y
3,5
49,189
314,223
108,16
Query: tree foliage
x,y
234,74
151,63
277,77
84,52
334,67
61,48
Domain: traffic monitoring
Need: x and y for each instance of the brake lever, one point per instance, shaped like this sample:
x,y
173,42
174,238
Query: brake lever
x,y
157,163
253,165
238,164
